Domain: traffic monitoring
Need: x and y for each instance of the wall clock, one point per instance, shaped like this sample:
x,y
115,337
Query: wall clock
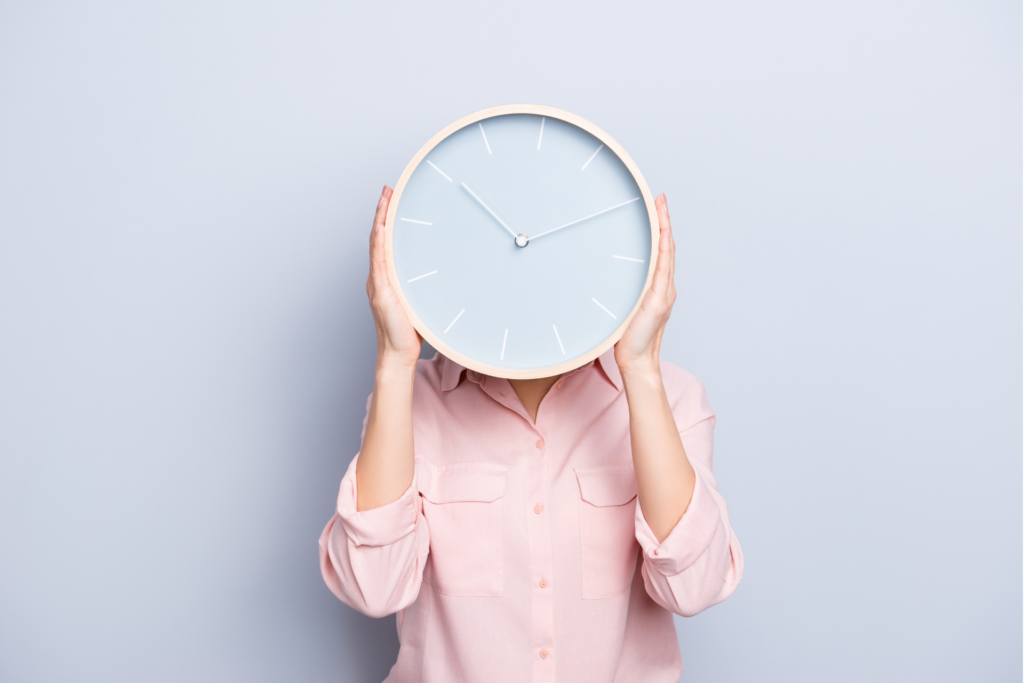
x,y
521,240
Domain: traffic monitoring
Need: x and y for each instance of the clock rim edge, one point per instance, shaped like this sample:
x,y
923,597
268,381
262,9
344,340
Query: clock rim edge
x,y
502,110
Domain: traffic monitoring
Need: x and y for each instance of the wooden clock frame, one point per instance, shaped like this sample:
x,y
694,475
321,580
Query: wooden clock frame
x,y
537,110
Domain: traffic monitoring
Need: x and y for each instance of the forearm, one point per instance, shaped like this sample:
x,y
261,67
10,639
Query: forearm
x,y
665,478
386,462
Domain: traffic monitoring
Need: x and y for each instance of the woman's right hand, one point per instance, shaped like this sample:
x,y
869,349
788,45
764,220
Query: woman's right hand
x,y
386,464
398,342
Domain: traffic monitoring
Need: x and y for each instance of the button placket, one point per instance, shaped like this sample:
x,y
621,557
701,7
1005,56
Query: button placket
x,y
541,562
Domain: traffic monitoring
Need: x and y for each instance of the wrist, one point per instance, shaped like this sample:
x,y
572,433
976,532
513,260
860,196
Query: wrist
x,y
395,366
645,366
645,374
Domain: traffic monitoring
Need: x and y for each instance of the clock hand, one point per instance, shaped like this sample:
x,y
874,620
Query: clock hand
x,y
580,220
489,210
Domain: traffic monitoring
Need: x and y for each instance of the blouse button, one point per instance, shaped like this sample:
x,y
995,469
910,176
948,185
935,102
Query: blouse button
x,y
538,508
540,443
655,551
543,583
558,386
544,653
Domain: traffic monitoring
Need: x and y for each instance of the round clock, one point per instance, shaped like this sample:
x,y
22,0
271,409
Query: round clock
x,y
521,240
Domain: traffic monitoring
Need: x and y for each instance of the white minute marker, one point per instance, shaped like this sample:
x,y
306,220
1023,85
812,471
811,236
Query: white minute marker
x,y
439,170
454,321
614,317
420,277
485,136
559,339
592,157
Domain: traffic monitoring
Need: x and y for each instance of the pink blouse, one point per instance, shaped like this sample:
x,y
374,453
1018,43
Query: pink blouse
x,y
519,552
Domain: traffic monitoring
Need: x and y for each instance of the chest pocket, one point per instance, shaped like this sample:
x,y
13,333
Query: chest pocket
x,y
462,504
608,542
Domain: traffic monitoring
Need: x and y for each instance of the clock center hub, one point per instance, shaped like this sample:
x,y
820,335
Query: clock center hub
x,y
522,240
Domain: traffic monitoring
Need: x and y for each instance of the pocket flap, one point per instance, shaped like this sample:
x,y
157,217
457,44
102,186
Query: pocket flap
x,y
606,487
478,482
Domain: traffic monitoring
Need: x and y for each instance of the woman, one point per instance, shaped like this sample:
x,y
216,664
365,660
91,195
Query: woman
x,y
532,530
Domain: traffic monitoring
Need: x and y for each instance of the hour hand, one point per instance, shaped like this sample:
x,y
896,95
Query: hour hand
x,y
489,210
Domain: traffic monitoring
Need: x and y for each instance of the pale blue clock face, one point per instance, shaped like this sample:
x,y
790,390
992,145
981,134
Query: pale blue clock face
x,y
572,203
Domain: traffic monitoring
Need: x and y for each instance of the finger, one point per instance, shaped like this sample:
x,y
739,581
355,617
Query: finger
x,y
658,281
382,208
663,218
377,231
382,205
672,243
378,260
664,266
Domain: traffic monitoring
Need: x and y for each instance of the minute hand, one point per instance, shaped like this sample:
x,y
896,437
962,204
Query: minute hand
x,y
580,220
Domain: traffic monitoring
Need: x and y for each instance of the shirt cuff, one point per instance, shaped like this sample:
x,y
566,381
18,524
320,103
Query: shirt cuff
x,y
379,526
690,537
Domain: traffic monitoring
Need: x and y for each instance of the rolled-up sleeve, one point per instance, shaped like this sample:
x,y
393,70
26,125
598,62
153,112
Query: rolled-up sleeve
x,y
373,559
700,562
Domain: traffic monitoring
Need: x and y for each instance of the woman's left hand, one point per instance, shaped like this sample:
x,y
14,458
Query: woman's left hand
x,y
639,348
664,477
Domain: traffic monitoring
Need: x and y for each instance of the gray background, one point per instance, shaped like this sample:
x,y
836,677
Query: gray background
x,y
185,348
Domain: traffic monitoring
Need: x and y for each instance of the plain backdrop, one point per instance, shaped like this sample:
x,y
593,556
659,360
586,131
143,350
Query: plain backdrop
x,y
186,190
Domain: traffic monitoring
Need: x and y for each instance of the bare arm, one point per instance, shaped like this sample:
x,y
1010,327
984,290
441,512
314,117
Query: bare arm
x,y
386,463
665,478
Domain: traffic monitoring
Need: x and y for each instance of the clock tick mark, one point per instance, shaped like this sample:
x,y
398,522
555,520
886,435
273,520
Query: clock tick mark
x,y
627,258
541,137
420,277
503,344
559,339
439,170
413,220
614,317
485,136
592,157
454,321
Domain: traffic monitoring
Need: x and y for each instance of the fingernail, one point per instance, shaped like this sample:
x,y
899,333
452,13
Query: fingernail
x,y
388,192
384,192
